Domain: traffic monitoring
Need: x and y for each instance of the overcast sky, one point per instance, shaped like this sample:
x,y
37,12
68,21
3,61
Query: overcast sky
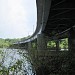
x,y
17,18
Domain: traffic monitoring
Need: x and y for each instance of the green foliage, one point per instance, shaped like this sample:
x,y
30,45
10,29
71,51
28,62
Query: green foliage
x,y
34,45
51,44
4,43
12,65
64,43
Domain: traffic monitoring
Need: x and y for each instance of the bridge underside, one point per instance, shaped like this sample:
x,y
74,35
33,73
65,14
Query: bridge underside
x,y
58,19
61,17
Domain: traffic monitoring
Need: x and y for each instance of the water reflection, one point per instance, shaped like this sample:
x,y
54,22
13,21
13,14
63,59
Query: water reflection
x,y
15,62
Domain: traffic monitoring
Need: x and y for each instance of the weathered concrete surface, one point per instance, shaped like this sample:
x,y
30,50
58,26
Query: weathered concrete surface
x,y
71,40
41,42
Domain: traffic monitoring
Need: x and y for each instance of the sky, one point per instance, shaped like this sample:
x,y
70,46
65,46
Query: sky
x,y
17,18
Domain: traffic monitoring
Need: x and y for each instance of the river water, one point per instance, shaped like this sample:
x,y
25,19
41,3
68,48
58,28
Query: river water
x,y
15,62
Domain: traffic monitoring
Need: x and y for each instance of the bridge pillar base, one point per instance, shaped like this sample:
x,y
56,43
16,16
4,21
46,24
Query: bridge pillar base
x,y
41,42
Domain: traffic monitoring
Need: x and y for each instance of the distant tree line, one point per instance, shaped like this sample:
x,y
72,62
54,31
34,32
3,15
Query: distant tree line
x,y
4,43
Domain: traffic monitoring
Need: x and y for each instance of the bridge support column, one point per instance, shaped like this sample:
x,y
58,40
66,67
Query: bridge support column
x,y
22,46
71,40
16,46
34,44
29,45
41,42
57,45
26,46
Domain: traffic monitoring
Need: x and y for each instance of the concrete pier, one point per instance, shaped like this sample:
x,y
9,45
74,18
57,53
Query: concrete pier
x,y
57,45
41,42
71,40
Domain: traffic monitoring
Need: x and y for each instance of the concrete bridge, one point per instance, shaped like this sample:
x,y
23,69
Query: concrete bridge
x,y
55,21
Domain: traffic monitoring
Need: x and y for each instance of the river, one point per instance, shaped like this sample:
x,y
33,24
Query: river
x,y
15,62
